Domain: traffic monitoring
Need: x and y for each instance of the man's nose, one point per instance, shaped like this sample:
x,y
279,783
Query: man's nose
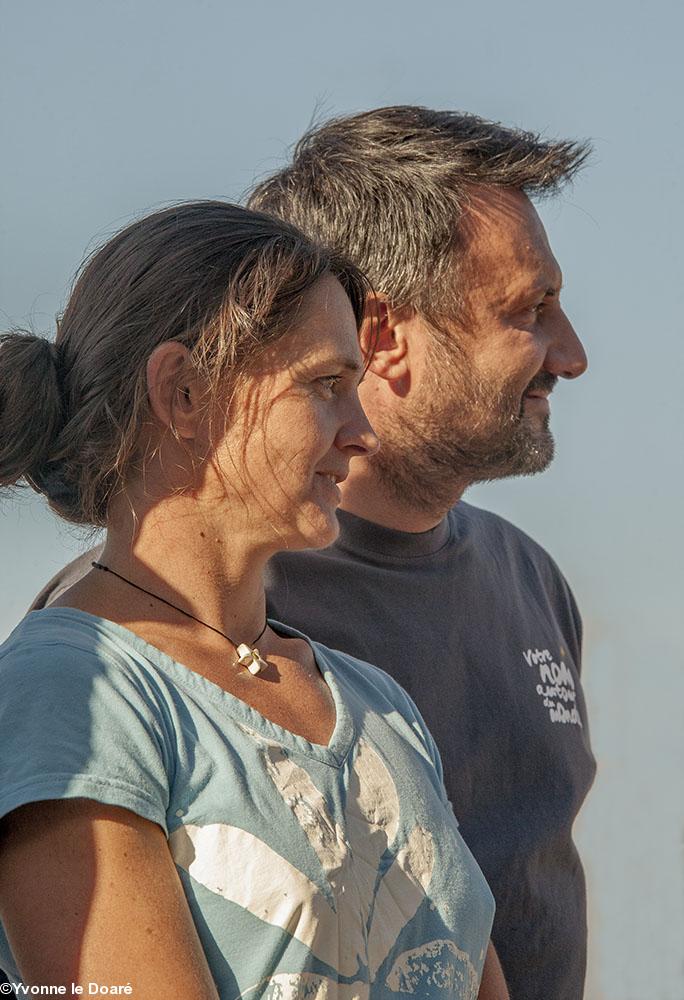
x,y
566,356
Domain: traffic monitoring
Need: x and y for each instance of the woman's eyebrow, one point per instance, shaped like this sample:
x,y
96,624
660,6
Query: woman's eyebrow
x,y
338,361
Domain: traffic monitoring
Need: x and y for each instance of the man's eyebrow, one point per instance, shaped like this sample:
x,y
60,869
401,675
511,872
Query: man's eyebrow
x,y
547,289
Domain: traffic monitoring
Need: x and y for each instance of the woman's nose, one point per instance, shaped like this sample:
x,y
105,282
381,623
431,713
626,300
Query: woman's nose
x,y
358,435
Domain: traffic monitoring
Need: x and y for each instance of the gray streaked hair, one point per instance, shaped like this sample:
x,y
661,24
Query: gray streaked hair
x,y
389,187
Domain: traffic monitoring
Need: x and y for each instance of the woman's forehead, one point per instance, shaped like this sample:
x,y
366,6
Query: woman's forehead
x,y
325,327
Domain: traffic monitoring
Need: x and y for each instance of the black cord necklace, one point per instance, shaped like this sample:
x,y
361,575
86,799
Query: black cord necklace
x,y
248,654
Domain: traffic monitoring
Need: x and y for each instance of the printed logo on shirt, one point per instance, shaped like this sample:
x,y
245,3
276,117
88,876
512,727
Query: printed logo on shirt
x,y
355,924
556,686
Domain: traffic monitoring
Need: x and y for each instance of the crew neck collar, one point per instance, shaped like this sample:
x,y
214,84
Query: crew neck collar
x,y
358,534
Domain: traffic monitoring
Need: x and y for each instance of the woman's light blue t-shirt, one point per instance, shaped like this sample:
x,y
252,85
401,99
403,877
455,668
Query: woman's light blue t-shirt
x,y
310,871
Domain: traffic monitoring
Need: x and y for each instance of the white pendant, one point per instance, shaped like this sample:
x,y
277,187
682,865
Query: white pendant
x,y
250,658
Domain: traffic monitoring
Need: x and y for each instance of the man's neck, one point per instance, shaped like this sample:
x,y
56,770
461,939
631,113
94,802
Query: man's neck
x,y
367,497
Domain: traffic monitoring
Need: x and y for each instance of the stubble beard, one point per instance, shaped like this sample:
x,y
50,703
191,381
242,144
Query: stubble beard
x,y
463,431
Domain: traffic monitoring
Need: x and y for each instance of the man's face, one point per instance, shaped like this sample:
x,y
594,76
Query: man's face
x,y
481,409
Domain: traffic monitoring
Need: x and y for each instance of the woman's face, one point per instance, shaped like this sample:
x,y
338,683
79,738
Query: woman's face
x,y
298,424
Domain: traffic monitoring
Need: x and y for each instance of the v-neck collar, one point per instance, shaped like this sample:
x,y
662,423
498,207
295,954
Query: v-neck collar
x,y
333,754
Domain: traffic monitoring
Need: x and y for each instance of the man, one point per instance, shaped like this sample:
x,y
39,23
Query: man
x,y
464,610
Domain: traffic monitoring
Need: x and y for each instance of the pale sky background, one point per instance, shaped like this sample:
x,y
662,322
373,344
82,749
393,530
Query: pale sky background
x,y
113,109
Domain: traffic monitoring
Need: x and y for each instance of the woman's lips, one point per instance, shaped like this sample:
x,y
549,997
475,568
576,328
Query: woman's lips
x,y
331,479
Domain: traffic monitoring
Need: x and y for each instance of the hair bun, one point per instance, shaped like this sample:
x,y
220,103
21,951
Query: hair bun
x,y
30,406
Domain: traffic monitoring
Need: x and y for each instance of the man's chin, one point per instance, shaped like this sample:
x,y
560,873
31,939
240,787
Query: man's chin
x,y
431,473
535,453
530,452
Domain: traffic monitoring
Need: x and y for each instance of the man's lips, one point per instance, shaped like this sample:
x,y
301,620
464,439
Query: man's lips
x,y
536,396
536,402
541,386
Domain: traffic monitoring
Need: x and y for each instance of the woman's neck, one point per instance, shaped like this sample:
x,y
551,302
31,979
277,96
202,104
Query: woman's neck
x,y
214,575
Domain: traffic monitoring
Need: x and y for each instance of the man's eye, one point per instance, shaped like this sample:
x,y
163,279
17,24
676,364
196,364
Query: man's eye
x,y
330,382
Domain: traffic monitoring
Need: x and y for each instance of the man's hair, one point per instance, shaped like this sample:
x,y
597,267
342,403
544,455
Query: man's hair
x,y
389,187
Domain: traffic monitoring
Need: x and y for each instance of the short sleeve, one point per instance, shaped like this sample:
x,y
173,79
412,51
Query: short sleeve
x,y
76,722
566,612
575,624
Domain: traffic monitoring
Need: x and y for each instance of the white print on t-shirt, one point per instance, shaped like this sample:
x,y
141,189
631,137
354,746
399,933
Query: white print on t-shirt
x,y
556,686
435,969
356,922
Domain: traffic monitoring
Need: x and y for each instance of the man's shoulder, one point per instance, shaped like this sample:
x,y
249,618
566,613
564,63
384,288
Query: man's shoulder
x,y
491,531
478,520
501,548
365,674
67,577
377,689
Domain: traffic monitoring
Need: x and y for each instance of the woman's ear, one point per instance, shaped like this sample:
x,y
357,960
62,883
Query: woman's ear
x,y
172,390
383,339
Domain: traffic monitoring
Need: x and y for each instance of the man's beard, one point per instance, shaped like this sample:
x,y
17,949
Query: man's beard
x,y
464,430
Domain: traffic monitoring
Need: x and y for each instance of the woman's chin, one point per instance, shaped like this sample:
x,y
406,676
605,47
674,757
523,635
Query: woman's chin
x,y
317,529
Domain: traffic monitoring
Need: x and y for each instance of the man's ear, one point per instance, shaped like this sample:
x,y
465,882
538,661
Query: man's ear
x,y
173,392
383,339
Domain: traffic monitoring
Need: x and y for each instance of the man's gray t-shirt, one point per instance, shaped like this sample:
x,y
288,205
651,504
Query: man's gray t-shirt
x,y
477,623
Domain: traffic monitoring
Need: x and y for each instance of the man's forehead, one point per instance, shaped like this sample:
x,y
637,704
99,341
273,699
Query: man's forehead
x,y
504,238
499,212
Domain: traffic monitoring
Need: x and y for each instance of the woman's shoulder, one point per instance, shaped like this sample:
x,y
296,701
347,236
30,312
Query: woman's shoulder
x,y
80,717
57,645
58,628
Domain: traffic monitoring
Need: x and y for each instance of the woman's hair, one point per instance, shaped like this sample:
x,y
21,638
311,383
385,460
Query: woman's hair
x,y
221,280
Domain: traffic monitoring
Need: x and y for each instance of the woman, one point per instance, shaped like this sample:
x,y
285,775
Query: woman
x,y
198,803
